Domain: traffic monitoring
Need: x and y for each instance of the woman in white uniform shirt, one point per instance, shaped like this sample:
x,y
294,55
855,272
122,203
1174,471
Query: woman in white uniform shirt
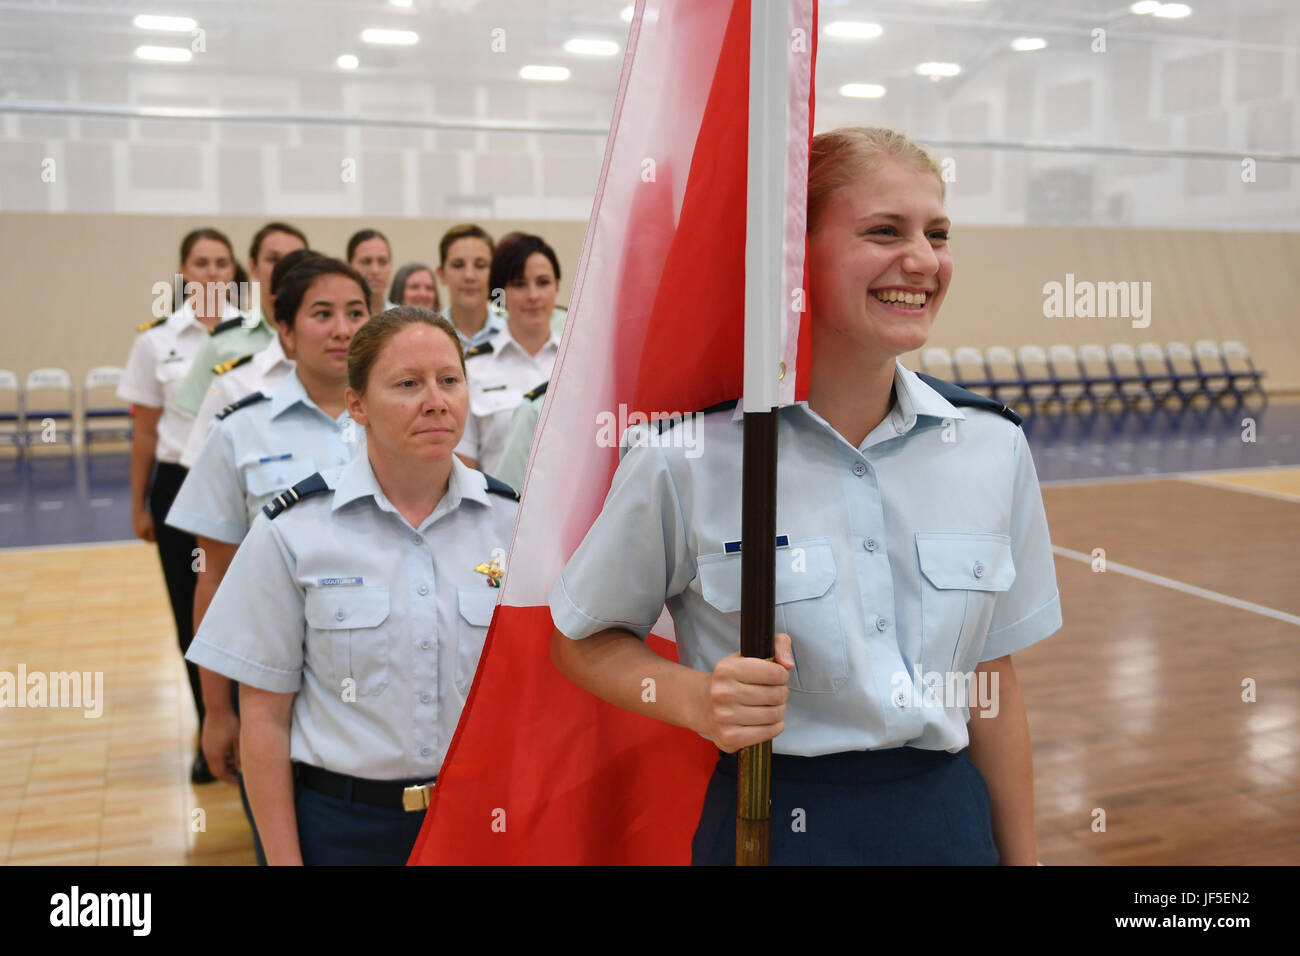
x,y
266,443
521,357
353,619
916,555
160,359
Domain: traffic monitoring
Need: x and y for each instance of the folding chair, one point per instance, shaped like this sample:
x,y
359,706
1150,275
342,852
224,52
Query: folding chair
x,y
1041,386
1004,374
48,396
1099,378
1240,367
971,371
938,362
1130,380
11,409
1188,379
1071,383
1214,373
1161,384
104,414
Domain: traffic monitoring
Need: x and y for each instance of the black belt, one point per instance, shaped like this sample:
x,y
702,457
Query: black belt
x,y
409,795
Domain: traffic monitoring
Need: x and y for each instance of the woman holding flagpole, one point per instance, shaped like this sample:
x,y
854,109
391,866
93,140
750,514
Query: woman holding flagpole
x,y
913,559
355,610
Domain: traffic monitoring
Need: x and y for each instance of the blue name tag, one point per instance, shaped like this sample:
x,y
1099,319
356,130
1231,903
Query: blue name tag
x,y
733,547
337,582
284,457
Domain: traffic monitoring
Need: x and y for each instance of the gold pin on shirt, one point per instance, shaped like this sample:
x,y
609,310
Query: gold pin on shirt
x,y
494,572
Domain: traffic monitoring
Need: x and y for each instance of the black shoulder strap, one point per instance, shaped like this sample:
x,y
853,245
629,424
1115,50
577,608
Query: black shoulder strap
x,y
146,326
659,424
285,500
221,368
959,396
495,486
242,403
537,392
226,326
483,349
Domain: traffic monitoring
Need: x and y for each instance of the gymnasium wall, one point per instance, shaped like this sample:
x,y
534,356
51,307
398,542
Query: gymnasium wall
x,y
77,285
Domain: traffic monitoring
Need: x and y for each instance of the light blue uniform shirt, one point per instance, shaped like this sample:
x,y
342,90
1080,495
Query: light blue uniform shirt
x,y
496,321
255,453
376,626
924,551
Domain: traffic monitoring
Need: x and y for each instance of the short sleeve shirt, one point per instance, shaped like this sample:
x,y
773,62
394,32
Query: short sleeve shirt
x,y
246,336
375,626
497,383
262,373
900,563
254,454
160,359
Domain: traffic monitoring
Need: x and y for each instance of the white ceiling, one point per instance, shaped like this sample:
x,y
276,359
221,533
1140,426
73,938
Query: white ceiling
x,y
1221,81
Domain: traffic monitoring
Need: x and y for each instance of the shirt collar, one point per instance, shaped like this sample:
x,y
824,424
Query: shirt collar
x,y
357,480
291,392
496,322
912,397
504,340
187,316
271,356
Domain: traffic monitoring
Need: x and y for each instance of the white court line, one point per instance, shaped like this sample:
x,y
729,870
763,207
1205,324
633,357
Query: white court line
x,y
74,547
1180,586
1157,476
1262,492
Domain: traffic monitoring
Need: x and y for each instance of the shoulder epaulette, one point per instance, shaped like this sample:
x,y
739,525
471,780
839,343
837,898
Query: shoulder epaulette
x,y
495,486
226,326
221,368
728,406
484,348
959,396
537,392
146,326
287,499
242,403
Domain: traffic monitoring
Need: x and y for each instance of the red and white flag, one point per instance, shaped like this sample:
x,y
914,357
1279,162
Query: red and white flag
x,y
541,771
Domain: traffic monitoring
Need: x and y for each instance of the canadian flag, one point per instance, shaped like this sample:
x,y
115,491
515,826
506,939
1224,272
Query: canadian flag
x,y
540,771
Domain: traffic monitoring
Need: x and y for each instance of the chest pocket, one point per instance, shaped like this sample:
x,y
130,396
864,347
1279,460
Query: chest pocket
x,y
963,573
347,624
267,478
805,609
476,606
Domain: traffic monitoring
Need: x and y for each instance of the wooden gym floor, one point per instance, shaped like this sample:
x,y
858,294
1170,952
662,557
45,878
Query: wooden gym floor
x,y
1135,705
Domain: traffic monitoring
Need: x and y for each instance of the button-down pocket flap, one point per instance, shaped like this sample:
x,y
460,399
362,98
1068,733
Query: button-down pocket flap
x,y
491,399
477,604
273,477
804,571
336,608
973,561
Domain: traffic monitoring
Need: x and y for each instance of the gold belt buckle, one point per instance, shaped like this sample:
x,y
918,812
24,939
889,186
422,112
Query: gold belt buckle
x,y
416,798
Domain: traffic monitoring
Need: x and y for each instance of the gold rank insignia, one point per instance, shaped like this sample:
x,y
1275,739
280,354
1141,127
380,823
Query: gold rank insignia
x,y
494,571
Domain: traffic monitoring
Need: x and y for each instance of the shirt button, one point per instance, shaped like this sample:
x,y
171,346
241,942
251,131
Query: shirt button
x,y
881,624
859,469
425,645
416,539
869,544
340,614
978,570
425,751
423,589
900,698
425,698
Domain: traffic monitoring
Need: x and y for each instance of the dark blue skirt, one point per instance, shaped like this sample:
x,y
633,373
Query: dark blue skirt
x,y
902,806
